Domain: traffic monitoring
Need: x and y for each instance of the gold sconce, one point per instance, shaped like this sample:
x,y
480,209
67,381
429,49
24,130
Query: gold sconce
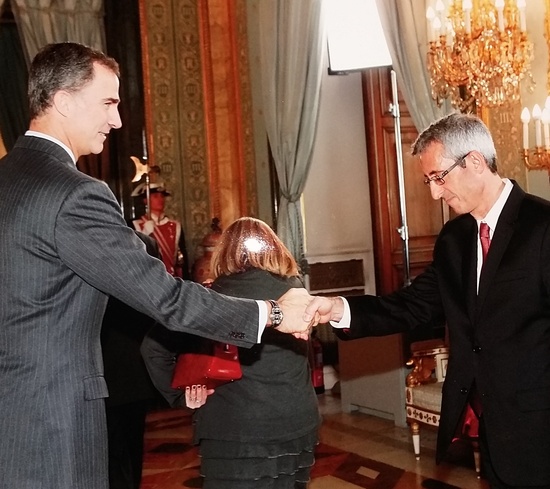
x,y
538,158
478,52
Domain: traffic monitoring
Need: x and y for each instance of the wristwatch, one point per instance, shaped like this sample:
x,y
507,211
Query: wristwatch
x,y
276,315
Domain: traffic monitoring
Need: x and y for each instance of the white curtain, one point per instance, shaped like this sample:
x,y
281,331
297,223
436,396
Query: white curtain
x,y
41,22
293,43
404,24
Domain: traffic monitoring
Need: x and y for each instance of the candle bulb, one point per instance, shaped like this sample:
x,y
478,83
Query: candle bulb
x,y
436,27
430,16
499,5
144,144
450,33
440,12
546,127
467,8
537,113
522,21
467,22
525,118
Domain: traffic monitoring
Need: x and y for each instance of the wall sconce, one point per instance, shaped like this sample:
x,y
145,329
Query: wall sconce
x,y
538,158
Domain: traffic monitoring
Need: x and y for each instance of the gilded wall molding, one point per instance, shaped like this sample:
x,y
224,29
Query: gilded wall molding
x,y
504,124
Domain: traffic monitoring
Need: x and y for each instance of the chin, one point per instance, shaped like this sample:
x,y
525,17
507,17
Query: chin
x,y
97,149
457,209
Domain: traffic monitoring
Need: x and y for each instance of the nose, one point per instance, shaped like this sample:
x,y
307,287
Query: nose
x,y
114,118
436,190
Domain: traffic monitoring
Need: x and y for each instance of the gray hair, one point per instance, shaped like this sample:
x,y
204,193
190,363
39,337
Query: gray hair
x,y
459,134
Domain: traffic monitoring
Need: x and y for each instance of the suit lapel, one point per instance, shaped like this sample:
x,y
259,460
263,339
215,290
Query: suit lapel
x,y
501,238
469,273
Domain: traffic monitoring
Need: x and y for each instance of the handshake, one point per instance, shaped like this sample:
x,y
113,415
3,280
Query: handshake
x,y
302,311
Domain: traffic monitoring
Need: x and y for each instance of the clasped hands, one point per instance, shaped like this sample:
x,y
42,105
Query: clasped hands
x,y
302,312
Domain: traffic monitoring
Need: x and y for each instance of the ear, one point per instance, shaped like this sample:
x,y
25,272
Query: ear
x,y
478,161
62,102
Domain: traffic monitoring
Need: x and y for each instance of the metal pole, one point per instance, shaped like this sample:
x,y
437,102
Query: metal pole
x,y
403,230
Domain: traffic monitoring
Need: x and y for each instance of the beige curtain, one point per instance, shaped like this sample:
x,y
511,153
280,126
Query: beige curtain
x,y
404,24
41,22
293,43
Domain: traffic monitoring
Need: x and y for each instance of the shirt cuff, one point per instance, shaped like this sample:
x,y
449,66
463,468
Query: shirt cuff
x,y
262,309
345,322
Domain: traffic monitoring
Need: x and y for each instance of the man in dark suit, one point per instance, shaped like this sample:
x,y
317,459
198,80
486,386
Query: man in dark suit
x,y
497,309
64,248
131,391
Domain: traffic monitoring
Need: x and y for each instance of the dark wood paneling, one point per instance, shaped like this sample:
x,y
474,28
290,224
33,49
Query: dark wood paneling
x,y
424,215
336,275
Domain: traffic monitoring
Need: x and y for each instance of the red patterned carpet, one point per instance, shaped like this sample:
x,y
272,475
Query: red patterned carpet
x,y
171,462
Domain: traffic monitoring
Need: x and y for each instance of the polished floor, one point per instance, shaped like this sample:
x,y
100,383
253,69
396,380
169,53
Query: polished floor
x,y
356,451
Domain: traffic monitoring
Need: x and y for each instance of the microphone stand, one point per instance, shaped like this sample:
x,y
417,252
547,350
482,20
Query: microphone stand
x,y
404,229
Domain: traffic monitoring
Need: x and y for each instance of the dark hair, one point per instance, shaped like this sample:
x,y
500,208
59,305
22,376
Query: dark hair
x,y
250,243
62,66
459,134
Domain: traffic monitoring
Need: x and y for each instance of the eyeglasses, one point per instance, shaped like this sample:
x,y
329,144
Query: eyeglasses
x,y
439,179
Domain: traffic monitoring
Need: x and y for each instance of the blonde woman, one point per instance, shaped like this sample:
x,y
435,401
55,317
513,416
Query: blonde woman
x,y
260,431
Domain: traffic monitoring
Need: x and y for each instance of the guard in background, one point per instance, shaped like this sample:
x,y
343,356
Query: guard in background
x,y
168,233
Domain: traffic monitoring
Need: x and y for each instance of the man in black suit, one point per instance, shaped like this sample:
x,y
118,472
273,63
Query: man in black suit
x,y
131,391
497,309
64,248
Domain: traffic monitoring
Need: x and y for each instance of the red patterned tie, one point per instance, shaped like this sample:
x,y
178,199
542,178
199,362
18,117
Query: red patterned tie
x,y
485,238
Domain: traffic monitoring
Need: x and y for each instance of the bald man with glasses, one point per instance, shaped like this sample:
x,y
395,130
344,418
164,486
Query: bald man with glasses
x,y
496,307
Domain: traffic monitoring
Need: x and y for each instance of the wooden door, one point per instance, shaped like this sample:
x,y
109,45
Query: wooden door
x,y
425,216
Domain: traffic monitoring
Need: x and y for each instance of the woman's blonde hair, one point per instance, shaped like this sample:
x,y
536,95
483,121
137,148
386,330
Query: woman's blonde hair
x,y
250,243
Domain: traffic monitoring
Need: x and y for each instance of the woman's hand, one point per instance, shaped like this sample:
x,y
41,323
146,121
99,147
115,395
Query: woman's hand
x,y
195,395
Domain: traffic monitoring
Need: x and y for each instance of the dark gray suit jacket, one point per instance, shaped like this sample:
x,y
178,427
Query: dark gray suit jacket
x,y
499,338
64,247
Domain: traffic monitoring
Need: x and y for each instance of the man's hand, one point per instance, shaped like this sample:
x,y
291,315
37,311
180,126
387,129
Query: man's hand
x,y
324,309
293,304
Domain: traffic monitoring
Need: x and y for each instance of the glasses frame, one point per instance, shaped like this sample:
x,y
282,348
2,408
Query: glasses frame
x,y
439,178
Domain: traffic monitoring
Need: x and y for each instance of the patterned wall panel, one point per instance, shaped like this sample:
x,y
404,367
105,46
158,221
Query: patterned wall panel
x,y
174,110
504,123
184,113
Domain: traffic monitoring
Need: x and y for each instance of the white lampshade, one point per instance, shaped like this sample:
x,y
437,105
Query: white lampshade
x,y
355,37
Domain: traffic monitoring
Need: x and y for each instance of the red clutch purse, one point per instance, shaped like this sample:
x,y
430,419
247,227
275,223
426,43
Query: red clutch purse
x,y
213,369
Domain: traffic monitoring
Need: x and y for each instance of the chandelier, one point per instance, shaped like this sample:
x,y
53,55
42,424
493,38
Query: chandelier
x,y
478,52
